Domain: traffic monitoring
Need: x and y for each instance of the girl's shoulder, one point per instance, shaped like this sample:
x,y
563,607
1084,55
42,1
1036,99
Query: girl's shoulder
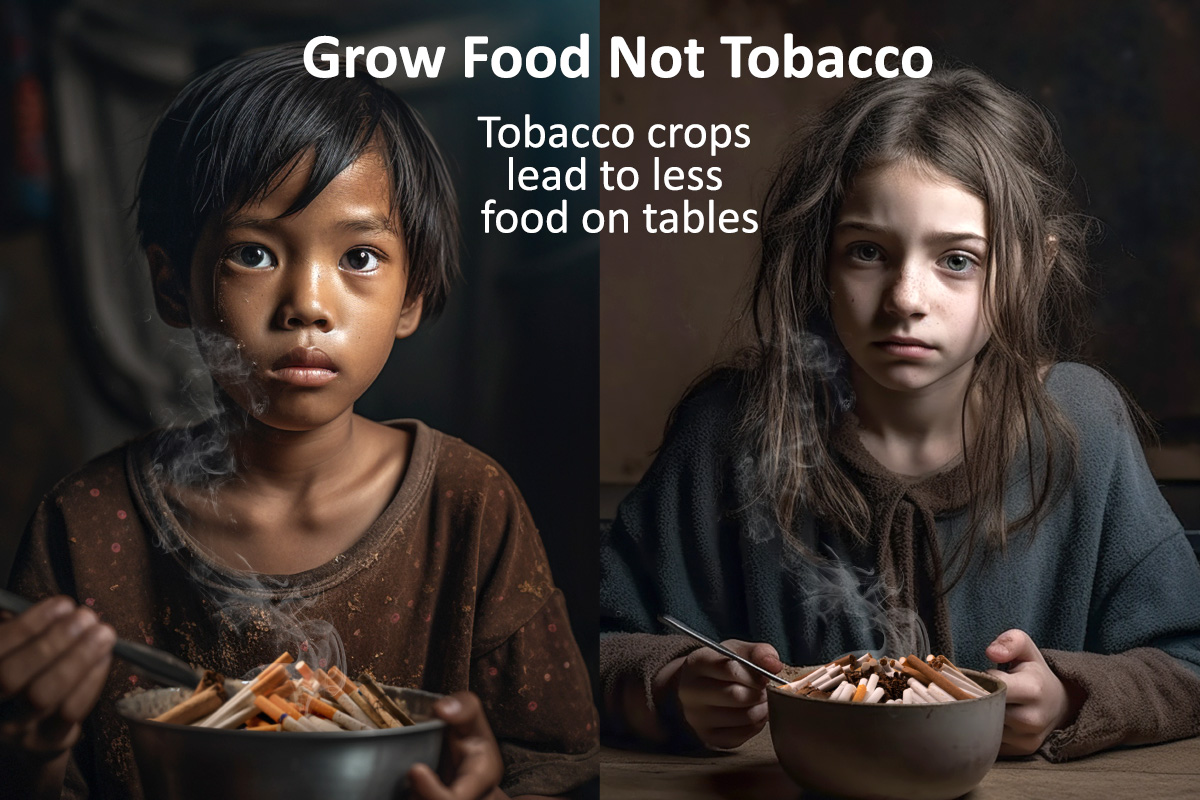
x,y
1086,395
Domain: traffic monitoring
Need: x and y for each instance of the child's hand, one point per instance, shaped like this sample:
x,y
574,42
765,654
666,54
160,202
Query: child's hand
x,y
724,703
474,754
1038,702
54,659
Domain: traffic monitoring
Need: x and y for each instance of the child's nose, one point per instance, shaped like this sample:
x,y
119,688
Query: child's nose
x,y
303,302
906,295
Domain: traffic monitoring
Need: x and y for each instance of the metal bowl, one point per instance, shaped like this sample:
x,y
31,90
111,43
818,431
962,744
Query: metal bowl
x,y
183,762
901,752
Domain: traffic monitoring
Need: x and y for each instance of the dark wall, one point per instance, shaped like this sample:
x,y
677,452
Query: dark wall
x,y
1120,78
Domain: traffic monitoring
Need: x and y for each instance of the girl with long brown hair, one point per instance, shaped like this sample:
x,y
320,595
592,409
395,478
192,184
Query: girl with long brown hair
x,y
906,459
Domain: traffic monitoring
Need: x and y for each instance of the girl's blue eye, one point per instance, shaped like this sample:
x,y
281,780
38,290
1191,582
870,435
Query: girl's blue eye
x,y
866,252
958,263
360,259
253,256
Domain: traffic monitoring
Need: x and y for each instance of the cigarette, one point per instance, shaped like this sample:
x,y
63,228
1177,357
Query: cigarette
x,y
284,718
379,707
912,698
860,692
199,705
919,690
843,693
807,679
876,695
933,676
351,689
938,694
315,705
872,682
388,704
829,683
844,660
343,700
967,685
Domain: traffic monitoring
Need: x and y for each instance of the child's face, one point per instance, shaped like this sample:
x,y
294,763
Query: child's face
x,y
312,301
907,265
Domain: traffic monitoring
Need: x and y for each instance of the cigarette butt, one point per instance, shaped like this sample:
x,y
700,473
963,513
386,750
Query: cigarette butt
x,y
322,724
872,682
844,660
875,695
933,676
305,671
287,706
860,693
267,707
274,727
314,705
294,725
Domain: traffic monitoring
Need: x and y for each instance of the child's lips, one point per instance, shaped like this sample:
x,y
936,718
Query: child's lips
x,y
304,366
906,347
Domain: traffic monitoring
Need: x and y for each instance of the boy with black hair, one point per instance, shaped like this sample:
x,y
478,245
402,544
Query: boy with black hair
x,y
299,226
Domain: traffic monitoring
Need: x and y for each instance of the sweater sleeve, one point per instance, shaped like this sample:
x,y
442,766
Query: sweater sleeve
x,y
665,551
1141,668
41,569
526,666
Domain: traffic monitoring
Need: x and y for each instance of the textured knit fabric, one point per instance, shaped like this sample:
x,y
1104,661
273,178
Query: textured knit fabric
x,y
448,590
1109,571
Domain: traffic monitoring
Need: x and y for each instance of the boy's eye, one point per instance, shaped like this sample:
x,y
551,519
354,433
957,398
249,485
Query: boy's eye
x,y
360,259
254,256
958,263
866,252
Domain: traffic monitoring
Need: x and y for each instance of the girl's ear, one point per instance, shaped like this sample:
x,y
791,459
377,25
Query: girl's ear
x,y
169,297
410,317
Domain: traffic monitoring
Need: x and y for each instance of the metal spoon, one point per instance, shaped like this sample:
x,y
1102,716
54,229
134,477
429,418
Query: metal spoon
x,y
151,662
671,622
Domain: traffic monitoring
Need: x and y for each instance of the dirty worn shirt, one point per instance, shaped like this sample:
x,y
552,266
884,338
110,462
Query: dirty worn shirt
x,y
448,590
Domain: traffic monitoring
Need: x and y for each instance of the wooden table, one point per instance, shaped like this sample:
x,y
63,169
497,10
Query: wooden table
x,y
1169,770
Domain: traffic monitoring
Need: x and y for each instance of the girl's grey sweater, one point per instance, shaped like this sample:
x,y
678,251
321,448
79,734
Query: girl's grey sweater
x,y
1109,588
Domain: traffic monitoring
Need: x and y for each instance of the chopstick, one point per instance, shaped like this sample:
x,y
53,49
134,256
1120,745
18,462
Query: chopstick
x,y
150,661
671,622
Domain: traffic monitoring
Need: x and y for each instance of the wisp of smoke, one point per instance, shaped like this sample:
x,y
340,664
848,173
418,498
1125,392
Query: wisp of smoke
x,y
195,456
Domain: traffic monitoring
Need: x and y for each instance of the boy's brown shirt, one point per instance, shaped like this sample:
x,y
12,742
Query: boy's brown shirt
x,y
448,590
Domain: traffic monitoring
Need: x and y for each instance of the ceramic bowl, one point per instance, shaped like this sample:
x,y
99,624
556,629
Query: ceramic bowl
x,y
901,752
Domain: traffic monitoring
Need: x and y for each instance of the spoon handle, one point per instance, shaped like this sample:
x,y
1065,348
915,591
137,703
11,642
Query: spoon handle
x,y
671,622
150,661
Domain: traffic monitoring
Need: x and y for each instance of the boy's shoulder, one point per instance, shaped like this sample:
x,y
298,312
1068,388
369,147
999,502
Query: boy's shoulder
x,y
102,481
457,479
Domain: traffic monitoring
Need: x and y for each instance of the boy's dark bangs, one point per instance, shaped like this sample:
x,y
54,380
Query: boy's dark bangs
x,y
259,135
236,133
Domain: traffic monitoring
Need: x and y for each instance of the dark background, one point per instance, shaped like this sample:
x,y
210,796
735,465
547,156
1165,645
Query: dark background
x,y
511,367
1120,78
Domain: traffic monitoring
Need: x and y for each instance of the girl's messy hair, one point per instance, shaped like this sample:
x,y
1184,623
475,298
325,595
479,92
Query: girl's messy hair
x,y
999,146
236,132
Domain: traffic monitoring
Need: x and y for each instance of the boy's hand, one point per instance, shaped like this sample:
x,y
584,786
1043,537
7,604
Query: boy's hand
x,y
1038,703
724,703
54,659
474,754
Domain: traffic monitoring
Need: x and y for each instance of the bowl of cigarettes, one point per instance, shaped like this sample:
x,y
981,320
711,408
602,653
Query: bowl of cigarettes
x,y
909,728
291,732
